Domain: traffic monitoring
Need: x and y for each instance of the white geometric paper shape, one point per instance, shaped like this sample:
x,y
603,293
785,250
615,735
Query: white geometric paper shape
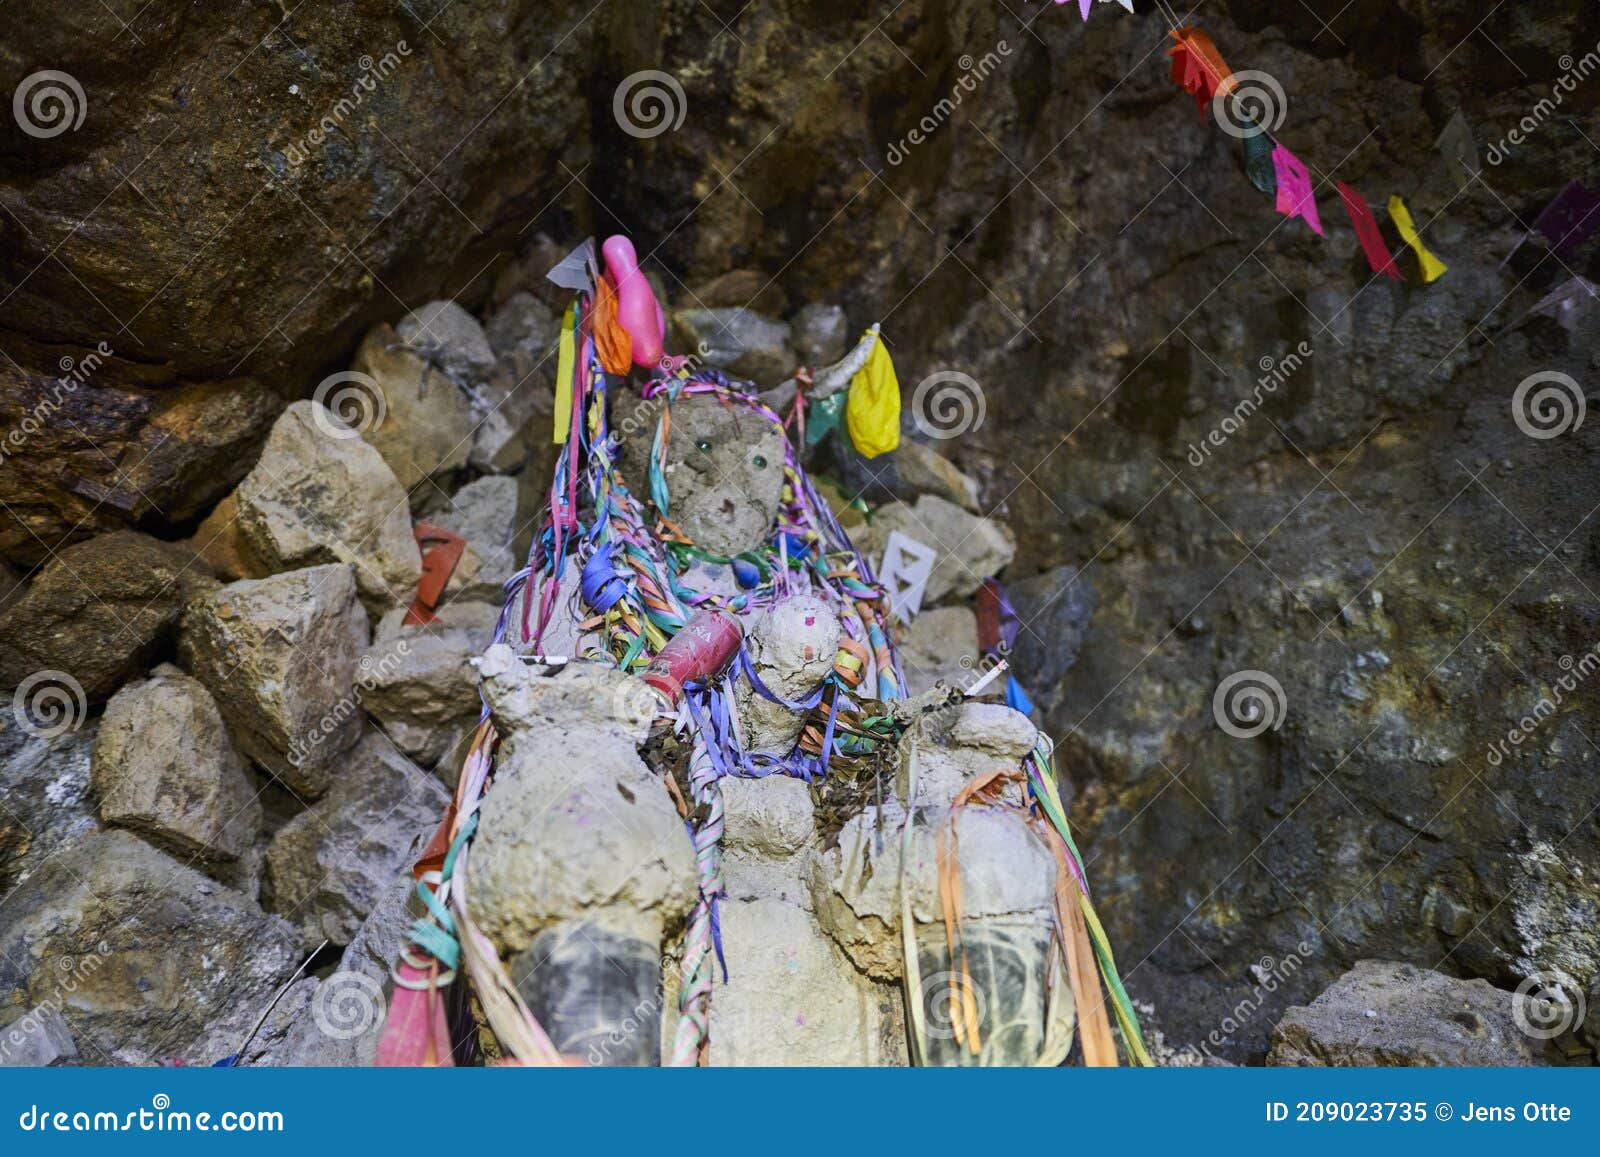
x,y
907,566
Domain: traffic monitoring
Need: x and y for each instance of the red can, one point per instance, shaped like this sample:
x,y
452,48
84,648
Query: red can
x,y
698,651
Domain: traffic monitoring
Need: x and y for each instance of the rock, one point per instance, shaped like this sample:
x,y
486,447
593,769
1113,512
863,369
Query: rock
x,y
797,1000
147,959
221,545
328,867
920,469
940,644
821,333
516,404
1055,608
485,514
164,767
744,343
423,694
1391,1014
337,1022
280,656
420,421
469,625
525,323
969,549
449,337
38,1038
12,584
99,612
514,415
724,471
244,283
319,494
44,783
742,288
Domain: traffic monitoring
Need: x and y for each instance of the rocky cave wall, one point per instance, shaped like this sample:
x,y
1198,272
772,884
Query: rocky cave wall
x,y
1381,538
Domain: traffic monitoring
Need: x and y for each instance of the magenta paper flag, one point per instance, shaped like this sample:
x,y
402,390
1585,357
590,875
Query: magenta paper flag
x,y
1295,196
1368,232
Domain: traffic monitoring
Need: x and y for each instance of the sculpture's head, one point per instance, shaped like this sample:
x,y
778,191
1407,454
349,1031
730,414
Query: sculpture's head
x,y
724,471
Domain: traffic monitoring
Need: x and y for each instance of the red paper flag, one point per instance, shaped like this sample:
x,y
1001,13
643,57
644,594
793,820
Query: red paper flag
x,y
1198,67
1368,233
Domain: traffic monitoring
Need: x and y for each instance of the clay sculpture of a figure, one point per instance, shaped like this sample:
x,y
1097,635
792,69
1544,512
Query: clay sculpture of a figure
x,y
716,831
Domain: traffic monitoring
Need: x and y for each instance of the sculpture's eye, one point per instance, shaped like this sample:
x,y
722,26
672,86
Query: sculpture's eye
x,y
703,446
759,462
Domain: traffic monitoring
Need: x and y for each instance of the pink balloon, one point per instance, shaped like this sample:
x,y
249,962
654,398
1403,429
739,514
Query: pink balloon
x,y
638,312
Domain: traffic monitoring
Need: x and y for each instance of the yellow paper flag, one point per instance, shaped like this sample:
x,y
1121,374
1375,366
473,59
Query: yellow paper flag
x,y
872,410
1432,267
566,363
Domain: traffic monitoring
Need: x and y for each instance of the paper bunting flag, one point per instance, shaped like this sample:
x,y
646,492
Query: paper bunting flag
x,y
1085,5
907,566
578,270
1368,232
1459,149
1258,164
1569,220
1432,267
1295,195
1566,303
1198,67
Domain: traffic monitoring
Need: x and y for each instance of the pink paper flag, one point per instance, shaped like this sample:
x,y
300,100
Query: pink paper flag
x,y
1295,196
1083,6
1368,232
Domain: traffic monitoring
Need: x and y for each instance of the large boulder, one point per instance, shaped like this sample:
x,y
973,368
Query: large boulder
x,y
1390,1014
280,655
968,548
98,612
328,866
165,767
320,494
147,959
342,177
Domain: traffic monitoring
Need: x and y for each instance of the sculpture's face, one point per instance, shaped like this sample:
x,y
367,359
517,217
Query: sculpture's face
x,y
724,472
